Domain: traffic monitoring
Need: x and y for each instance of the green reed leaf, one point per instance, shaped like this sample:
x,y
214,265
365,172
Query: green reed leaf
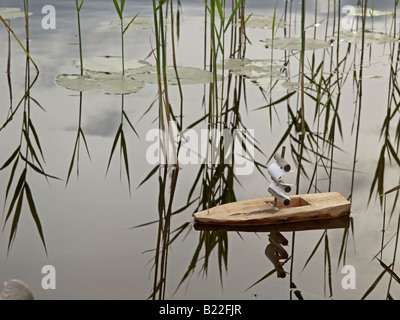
x,y
392,190
284,98
160,4
37,103
208,8
194,260
282,140
12,157
116,139
228,23
378,179
36,137
34,213
129,122
117,8
393,152
178,231
125,156
14,225
261,279
343,247
17,192
314,250
31,149
79,6
38,170
10,180
71,165
219,39
220,11
130,22
196,180
152,172
389,270
374,284
85,142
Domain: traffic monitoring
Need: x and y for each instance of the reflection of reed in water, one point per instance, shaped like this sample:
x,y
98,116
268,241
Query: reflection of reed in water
x,y
385,246
28,156
166,198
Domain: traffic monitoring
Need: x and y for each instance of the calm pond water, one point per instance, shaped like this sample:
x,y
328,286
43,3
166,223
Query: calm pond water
x,y
88,223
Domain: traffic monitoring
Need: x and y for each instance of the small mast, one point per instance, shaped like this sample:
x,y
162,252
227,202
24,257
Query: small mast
x,y
278,188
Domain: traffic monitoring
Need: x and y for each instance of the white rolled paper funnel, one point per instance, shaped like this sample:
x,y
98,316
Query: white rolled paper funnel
x,y
277,191
275,171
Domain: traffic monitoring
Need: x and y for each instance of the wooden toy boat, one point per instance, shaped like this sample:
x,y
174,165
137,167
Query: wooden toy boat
x,y
342,222
261,211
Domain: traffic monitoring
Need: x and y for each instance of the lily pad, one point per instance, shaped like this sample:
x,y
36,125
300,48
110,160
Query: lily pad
x,y
358,11
187,75
278,84
114,83
254,69
76,82
255,21
12,13
369,37
107,82
237,64
110,64
294,44
138,23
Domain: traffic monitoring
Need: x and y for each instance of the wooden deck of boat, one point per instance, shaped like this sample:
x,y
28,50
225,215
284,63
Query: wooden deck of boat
x,y
259,211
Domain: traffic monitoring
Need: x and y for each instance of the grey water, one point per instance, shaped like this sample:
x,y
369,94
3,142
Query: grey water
x,y
88,223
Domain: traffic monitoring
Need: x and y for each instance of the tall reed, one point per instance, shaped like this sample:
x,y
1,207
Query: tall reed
x,y
28,156
80,135
120,11
120,134
302,106
359,97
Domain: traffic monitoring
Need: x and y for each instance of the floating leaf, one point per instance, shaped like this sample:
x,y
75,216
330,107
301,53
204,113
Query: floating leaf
x,y
294,86
12,13
109,83
369,37
255,21
280,85
76,82
254,69
138,23
358,11
116,83
376,76
110,64
187,75
295,44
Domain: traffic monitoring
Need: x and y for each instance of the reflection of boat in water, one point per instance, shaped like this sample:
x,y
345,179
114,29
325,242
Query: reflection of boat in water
x,y
275,251
259,211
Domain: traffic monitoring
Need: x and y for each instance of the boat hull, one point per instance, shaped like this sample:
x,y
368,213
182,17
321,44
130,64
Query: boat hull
x,y
259,211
